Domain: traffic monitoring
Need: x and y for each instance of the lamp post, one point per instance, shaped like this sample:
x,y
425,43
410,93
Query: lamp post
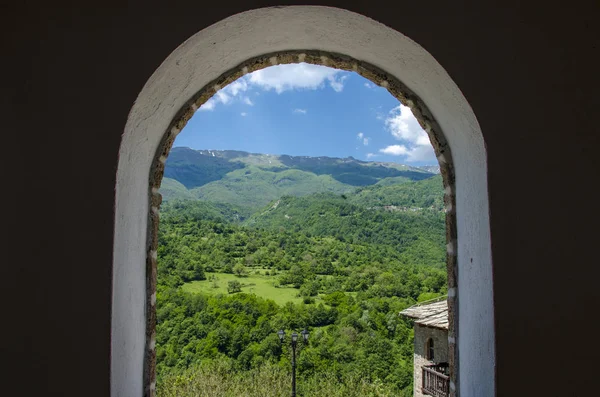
x,y
304,334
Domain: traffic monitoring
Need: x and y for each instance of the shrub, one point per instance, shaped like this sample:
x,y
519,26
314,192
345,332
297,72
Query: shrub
x,y
234,286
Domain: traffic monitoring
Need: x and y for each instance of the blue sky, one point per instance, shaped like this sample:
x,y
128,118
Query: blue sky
x,y
309,110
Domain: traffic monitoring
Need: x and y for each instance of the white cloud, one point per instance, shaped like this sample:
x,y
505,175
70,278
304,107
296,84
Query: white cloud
x,y
361,137
396,150
422,153
369,85
279,78
227,95
243,114
403,126
240,85
297,76
208,105
337,84
371,155
417,153
222,97
300,111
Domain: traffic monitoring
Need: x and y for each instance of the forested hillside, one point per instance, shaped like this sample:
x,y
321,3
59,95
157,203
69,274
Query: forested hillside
x,y
427,194
341,263
251,180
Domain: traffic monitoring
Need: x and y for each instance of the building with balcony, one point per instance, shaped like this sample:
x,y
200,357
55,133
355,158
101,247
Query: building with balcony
x,y
431,375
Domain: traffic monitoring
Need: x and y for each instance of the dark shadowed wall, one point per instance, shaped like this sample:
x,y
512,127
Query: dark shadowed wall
x,y
71,72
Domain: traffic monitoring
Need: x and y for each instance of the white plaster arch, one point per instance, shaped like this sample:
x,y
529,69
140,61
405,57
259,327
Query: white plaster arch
x,y
222,47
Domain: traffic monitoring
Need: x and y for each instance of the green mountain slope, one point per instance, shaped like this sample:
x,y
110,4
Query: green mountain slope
x,y
352,171
252,188
251,180
192,168
195,168
417,235
428,193
172,189
181,211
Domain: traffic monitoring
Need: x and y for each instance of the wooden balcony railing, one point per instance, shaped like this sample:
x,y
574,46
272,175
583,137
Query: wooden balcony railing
x,y
436,381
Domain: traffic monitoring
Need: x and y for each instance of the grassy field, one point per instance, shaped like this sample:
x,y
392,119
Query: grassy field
x,y
260,285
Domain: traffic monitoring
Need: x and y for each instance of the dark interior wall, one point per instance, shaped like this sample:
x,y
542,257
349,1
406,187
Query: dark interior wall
x,y
71,72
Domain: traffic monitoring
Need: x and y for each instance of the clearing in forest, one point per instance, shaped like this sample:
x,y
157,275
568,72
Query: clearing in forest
x,y
259,284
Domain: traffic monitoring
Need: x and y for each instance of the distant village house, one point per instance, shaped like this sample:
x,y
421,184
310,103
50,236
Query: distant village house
x,y
431,375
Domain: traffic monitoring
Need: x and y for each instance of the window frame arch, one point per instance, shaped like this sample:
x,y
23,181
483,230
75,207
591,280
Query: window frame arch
x,y
331,37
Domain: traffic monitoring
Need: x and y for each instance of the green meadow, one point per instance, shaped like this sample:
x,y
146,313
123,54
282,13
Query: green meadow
x,y
258,284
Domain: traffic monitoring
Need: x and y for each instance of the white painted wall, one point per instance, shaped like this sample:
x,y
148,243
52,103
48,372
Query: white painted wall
x,y
197,61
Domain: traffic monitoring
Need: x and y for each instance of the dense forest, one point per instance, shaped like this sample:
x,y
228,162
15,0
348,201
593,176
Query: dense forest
x,y
341,265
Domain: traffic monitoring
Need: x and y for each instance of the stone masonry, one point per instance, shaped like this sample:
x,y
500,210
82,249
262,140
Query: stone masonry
x,y
440,343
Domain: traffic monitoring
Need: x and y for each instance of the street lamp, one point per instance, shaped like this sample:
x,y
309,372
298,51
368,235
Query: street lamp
x,y
304,334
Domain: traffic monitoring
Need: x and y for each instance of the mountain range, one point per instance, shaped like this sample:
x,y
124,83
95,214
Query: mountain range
x,y
250,181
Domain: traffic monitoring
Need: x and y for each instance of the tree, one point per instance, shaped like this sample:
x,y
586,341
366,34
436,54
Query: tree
x,y
240,270
198,271
234,286
310,288
295,276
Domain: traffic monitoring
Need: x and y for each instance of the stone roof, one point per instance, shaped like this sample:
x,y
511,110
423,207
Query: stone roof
x,y
429,314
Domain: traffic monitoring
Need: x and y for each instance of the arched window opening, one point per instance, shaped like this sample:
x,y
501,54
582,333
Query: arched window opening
x,y
343,217
429,349
192,74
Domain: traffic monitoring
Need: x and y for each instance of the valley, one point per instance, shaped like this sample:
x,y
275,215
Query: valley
x,y
258,243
